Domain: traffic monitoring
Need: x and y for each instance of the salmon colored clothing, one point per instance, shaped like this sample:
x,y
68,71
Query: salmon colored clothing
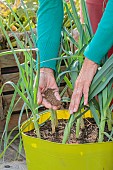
x,y
97,6
95,11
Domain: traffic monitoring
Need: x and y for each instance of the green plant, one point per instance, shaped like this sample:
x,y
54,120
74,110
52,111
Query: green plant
x,y
21,23
102,112
17,6
101,84
27,89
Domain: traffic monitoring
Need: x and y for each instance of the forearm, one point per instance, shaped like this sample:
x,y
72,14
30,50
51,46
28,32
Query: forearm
x,y
103,38
50,19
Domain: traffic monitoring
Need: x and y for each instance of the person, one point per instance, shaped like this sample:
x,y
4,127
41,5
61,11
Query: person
x,y
95,11
50,19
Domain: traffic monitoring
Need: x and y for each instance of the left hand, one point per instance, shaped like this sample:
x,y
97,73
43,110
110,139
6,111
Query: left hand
x,y
82,84
47,81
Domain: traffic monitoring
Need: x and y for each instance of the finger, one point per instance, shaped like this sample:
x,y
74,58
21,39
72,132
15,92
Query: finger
x,y
39,97
57,95
85,92
75,100
46,104
55,108
71,106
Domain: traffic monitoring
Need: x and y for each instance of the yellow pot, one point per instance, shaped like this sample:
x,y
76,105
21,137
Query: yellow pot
x,y
45,155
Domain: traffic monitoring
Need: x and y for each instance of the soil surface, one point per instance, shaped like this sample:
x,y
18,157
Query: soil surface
x,y
88,134
50,97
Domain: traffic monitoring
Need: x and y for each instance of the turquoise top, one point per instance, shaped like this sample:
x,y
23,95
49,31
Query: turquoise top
x,y
50,19
103,38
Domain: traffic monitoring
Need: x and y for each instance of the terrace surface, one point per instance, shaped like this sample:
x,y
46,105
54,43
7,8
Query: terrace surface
x,y
11,161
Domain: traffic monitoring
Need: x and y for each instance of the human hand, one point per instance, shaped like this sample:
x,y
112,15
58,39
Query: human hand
x,y
47,81
82,84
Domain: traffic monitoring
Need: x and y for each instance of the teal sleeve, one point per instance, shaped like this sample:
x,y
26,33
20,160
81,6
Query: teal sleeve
x,y
103,38
50,19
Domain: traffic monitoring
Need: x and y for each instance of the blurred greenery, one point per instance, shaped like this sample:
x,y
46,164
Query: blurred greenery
x,y
23,15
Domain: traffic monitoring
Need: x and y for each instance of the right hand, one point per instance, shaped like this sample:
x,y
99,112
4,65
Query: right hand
x,y
82,84
47,81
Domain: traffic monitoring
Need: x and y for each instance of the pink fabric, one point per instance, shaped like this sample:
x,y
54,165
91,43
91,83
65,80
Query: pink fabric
x,y
95,10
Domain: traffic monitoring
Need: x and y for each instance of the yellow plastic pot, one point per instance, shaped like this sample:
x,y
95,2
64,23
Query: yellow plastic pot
x,y
45,155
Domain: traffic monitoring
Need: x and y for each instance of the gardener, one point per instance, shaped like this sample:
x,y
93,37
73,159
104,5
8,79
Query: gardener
x,y
50,18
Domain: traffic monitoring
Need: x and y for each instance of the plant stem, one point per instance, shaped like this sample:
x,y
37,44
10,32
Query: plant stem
x,y
109,121
54,120
79,123
101,129
78,127
36,125
82,123
68,128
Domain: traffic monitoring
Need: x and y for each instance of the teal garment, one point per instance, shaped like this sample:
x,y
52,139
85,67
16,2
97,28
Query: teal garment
x,y
103,38
50,19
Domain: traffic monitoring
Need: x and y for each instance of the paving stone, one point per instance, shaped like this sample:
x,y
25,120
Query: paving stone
x,y
15,165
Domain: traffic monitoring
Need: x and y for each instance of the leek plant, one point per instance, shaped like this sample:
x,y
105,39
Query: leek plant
x,y
101,111
102,83
25,88
28,74
74,63
85,35
54,120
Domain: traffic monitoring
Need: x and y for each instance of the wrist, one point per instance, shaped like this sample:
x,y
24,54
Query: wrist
x,y
90,66
46,70
90,62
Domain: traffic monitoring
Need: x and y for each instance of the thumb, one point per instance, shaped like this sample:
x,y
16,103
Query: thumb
x,y
39,97
57,95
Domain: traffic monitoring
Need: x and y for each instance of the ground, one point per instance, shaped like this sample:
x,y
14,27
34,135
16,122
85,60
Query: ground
x,y
10,160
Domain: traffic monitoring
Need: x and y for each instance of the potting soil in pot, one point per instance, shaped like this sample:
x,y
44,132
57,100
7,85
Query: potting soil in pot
x,y
87,134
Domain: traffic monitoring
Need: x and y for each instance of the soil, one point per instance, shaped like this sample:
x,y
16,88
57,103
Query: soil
x,y
88,134
50,97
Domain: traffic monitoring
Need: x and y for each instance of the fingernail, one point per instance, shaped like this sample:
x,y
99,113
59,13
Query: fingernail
x,y
71,111
75,110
